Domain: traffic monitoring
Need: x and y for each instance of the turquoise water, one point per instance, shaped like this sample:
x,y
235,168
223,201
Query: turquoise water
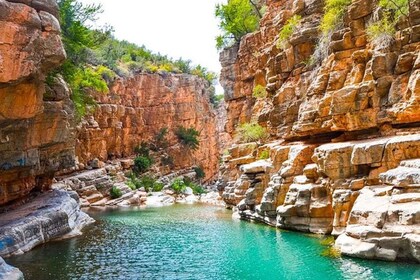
x,y
193,242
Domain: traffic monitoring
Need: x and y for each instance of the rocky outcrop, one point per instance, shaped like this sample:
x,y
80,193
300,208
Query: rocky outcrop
x,y
93,186
357,87
365,192
52,215
138,107
36,135
344,125
8,272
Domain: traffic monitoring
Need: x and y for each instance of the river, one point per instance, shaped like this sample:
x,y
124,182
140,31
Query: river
x,y
193,242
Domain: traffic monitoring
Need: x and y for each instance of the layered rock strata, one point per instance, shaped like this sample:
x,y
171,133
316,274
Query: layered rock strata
x,y
52,215
365,192
36,134
345,117
138,107
93,186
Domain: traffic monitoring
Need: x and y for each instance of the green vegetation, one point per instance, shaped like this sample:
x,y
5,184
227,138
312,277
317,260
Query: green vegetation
x,y
115,192
146,182
197,189
264,154
199,172
216,99
160,142
188,137
78,40
287,31
237,18
334,12
178,185
259,91
142,164
143,160
95,57
381,31
251,132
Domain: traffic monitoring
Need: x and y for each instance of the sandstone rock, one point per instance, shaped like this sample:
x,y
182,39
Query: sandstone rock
x,y
123,120
35,131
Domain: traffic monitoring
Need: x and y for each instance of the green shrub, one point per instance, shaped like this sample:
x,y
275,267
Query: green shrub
x,y
160,141
287,31
142,150
259,92
381,31
334,12
115,192
264,154
142,163
197,189
188,137
237,18
251,132
199,172
178,186
146,182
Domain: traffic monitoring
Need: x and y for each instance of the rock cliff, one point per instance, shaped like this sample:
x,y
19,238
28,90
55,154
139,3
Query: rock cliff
x,y
345,130
138,107
36,131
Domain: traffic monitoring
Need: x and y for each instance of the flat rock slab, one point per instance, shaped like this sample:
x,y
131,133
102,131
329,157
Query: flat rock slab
x,y
53,215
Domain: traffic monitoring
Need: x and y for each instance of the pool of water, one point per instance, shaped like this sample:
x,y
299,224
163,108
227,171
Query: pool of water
x,y
193,242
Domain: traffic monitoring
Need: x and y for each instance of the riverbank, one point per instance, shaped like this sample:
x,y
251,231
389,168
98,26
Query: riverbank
x,y
195,241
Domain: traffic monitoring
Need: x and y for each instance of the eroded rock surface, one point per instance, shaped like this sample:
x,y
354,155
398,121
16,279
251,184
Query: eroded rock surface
x,y
137,108
52,215
36,121
344,120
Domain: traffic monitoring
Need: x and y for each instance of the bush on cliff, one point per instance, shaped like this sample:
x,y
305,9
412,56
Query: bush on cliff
x,y
287,31
178,186
78,39
142,164
199,172
188,137
237,18
334,12
382,29
94,56
251,132
259,91
115,192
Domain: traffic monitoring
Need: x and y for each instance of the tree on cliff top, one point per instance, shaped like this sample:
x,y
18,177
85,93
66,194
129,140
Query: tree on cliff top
x,y
237,18
78,40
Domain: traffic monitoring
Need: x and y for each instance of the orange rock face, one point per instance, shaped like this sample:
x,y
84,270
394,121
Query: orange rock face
x,y
344,125
137,108
358,86
35,132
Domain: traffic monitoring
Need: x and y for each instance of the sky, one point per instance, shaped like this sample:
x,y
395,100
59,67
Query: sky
x,y
182,28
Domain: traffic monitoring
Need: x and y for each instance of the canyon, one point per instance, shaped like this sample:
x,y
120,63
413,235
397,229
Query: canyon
x,y
342,157
344,148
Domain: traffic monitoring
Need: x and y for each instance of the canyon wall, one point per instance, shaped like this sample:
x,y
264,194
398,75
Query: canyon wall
x,y
36,121
39,134
344,121
138,107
